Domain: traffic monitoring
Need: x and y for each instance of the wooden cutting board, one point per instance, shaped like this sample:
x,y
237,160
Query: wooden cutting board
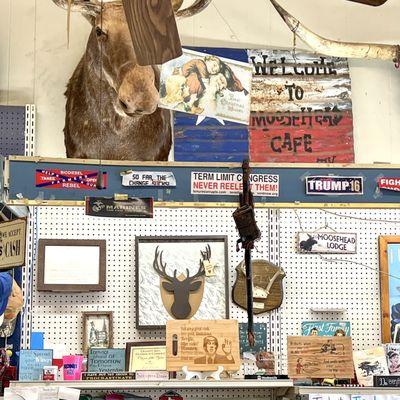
x,y
202,345
320,357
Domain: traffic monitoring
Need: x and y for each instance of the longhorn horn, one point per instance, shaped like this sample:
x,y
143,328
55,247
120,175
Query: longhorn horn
x,y
85,7
335,48
195,8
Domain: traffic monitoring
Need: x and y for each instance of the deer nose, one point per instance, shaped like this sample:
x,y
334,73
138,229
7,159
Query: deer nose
x,y
130,107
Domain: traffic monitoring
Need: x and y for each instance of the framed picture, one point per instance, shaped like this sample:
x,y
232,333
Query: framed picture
x,y
181,277
97,330
69,265
146,356
389,261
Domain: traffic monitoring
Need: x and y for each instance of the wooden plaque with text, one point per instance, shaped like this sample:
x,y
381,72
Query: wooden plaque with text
x,y
320,357
203,345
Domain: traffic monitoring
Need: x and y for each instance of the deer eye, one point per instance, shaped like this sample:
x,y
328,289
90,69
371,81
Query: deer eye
x,y
100,33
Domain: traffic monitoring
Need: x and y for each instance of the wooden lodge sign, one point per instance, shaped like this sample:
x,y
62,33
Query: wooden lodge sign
x,y
320,357
301,108
327,242
12,243
203,345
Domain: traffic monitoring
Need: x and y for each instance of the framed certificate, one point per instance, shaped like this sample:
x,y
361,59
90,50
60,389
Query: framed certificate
x,y
70,265
146,356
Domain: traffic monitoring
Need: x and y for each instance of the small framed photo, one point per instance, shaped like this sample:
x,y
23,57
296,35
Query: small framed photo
x,y
146,356
97,330
70,265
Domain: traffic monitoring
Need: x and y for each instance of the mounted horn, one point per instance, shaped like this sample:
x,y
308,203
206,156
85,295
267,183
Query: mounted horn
x,y
335,48
195,8
85,7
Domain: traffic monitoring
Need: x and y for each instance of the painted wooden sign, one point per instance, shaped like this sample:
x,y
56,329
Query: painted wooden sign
x,y
203,345
320,357
12,243
327,242
301,108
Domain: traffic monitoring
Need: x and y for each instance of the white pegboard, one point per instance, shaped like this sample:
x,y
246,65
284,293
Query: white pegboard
x,y
314,283
310,282
60,315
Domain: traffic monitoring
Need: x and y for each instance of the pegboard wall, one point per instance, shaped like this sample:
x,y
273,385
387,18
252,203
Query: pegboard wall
x,y
310,281
17,130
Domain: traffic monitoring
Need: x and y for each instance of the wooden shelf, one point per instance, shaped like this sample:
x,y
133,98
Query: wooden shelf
x,y
326,390
171,384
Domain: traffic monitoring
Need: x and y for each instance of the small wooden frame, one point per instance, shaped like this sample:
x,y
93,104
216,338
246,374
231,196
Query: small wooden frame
x,y
151,354
53,262
320,357
389,269
101,335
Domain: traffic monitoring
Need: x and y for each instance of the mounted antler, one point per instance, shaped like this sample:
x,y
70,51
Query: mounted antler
x,y
83,6
181,289
159,266
93,7
335,48
200,272
206,254
206,262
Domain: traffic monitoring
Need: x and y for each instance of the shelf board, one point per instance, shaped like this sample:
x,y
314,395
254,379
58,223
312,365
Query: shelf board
x,y
326,390
170,384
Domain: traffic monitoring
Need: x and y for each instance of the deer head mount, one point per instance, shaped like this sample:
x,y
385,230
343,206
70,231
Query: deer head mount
x,y
180,289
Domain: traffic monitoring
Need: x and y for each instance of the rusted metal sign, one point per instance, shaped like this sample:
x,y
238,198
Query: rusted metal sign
x,y
301,108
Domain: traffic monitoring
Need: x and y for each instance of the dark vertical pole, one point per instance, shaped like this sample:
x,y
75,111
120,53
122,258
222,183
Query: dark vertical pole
x,y
247,199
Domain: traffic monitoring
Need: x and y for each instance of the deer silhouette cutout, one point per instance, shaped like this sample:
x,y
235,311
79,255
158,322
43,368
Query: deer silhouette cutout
x,y
181,289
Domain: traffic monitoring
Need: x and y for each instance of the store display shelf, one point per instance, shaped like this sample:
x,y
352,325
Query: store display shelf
x,y
171,384
326,390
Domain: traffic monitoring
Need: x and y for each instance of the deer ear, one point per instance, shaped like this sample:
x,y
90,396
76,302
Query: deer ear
x,y
195,286
169,287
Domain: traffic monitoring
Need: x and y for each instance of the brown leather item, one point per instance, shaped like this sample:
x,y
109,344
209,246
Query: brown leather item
x,y
267,286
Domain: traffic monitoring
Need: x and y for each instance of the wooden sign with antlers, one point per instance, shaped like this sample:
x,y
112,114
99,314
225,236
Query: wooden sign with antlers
x,y
181,278
180,287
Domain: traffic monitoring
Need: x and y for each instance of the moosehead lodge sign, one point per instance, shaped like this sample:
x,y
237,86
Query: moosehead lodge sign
x,y
327,242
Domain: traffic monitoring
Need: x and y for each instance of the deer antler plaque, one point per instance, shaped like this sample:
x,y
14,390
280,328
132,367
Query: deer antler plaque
x,y
181,278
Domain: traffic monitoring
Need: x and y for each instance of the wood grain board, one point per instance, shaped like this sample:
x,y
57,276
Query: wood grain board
x,y
320,357
263,272
203,345
153,30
